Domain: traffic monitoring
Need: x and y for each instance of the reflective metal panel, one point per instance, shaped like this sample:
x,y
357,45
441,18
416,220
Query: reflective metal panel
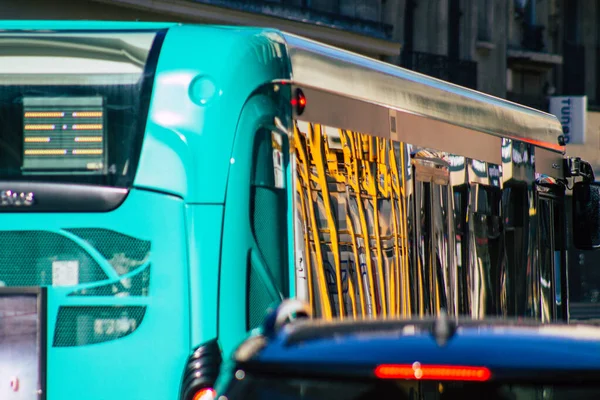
x,y
485,239
357,77
391,228
354,219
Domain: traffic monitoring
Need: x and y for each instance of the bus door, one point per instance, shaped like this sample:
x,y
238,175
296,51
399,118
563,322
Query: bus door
x,y
551,282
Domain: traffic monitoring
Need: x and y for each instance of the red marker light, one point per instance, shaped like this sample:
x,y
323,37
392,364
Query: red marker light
x,y
299,101
432,372
302,101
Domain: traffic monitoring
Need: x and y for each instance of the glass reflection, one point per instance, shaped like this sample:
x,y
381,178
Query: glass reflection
x,y
394,229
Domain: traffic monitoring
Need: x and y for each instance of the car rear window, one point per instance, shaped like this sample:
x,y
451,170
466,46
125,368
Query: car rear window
x,y
261,388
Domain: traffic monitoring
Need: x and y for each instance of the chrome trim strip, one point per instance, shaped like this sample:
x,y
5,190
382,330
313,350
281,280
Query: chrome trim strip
x,y
350,75
346,113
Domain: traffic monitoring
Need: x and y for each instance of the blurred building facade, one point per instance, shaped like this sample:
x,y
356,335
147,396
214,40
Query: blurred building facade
x,y
522,50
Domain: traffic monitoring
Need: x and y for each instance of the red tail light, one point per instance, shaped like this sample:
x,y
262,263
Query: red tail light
x,y
204,394
432,372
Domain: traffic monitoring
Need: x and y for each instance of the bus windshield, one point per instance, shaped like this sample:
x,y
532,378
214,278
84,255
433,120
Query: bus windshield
x,y
73,106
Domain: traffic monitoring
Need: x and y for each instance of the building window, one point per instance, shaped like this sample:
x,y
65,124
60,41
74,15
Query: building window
x,y
485,18
572,25
527,87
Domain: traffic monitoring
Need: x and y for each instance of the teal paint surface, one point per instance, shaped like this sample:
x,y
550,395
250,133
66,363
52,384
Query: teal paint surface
x,y
190,200
147,363
194,142
204,225
239,245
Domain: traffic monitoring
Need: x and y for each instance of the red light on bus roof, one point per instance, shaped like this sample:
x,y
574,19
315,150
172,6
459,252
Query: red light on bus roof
x,y
299,101
433,372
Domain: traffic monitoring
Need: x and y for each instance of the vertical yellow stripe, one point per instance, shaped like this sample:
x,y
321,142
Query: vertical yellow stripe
x,y
355,143
372,191
396,228
352,176
404,225
316,145
321,283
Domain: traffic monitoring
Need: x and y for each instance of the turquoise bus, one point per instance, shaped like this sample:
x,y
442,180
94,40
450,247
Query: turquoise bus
x,y
162,184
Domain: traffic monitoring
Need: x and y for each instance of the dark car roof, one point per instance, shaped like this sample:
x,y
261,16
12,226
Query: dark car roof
x,y
356,348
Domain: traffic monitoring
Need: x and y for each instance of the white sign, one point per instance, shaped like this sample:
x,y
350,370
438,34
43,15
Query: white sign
x,y
65,273
571,112
277,143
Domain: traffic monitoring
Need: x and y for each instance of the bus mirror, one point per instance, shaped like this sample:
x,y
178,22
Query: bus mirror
x,y
586,215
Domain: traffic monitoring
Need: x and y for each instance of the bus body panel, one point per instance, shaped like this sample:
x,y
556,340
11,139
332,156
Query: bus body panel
x,y
196,101
204,226
176,205
93,349
254,265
